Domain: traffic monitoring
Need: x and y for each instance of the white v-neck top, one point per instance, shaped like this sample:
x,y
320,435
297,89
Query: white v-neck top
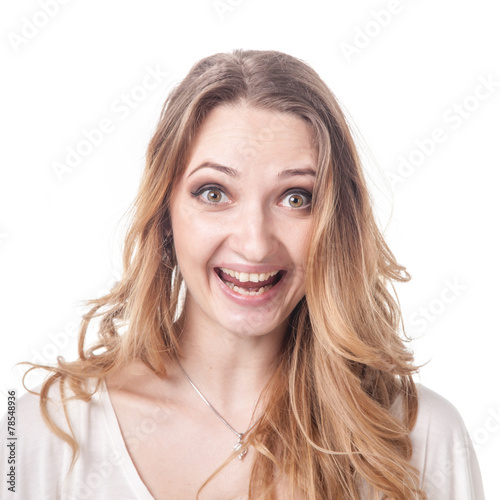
x,y
442,451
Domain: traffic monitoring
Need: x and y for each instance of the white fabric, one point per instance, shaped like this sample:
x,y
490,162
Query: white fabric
x,y
443,452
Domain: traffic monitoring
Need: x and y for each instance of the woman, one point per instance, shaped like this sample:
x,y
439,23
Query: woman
x,y
251,349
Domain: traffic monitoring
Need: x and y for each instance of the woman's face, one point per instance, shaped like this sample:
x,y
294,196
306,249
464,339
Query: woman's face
x,y
241,215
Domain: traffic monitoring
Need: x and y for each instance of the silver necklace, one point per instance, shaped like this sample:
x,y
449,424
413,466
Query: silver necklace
x,y
239,435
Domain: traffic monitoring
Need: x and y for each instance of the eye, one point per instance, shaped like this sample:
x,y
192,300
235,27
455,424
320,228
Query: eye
x,y
297,199
211,195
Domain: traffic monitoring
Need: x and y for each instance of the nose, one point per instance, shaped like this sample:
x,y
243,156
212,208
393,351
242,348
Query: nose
x,y
254,234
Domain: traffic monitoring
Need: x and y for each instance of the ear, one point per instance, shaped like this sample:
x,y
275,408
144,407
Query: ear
x,y
168,248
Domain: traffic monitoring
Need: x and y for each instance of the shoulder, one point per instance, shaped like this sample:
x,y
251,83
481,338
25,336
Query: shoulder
x,y
443,451
40,458
436,413
33,429
29,418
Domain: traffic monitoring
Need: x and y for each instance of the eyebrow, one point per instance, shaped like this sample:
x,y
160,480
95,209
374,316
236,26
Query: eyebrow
x,y
285,174
225,170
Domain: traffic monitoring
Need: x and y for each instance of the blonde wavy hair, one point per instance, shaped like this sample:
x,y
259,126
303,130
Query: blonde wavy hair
x,y
328,428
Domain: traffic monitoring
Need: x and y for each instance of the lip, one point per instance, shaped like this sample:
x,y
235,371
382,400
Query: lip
x,y
254,300
250,269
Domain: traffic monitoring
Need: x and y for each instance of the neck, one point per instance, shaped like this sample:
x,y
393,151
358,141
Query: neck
x,y
230,371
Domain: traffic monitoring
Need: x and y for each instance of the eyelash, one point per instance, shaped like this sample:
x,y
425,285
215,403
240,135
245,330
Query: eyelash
x,y
290,192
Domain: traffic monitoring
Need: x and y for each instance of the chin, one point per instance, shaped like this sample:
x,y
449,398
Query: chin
x,y
254,324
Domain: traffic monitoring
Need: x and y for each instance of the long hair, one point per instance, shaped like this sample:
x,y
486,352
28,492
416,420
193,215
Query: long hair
x,y
328,430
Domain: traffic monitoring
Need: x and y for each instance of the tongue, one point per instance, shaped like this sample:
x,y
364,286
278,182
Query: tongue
x,y
249,284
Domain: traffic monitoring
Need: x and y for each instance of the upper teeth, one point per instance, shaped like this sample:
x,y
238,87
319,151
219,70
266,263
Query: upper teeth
x,y
244,277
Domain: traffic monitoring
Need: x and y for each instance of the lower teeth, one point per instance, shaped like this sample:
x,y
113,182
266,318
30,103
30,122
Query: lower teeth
x,y
244,291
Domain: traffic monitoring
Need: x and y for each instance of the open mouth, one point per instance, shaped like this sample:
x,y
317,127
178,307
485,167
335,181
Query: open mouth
x,y
249,283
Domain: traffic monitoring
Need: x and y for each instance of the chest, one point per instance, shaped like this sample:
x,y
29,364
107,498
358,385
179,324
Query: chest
x,y
175,452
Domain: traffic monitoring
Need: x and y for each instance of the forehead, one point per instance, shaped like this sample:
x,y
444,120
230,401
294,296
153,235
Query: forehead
x,y
240,134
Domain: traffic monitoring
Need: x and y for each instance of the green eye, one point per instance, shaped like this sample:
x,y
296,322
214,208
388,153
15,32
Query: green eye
x,y
298,199
214,195
211,195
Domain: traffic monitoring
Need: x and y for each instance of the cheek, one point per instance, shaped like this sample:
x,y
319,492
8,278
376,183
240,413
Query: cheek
x,y
196,237
298,239
203,231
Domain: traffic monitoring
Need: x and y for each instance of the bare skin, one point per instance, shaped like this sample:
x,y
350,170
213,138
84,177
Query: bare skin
x,y
255,220
184,441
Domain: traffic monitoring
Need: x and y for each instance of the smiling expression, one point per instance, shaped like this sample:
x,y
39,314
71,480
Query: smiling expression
x,y
241,216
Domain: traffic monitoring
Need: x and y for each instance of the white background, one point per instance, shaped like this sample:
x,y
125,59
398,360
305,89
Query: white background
x,y
60,236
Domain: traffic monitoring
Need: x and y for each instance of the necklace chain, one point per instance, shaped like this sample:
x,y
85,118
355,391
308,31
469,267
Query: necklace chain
x,y
239,435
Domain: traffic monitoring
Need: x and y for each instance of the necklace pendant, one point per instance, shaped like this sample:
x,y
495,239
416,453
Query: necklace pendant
x,y
238,447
